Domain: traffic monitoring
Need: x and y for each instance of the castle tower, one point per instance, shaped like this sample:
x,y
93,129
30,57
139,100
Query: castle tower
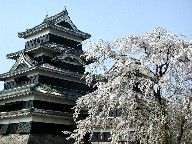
x,y
42,86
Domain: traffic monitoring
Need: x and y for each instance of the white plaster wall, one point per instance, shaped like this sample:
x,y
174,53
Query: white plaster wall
x,y
17,98
38,118
54,120
43,32
54,99
65,35
43,53
56,32
61,76
16,119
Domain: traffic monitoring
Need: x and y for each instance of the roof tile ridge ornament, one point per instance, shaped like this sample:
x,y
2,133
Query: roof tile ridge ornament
x,y
47,21
10,55
46,18
65,10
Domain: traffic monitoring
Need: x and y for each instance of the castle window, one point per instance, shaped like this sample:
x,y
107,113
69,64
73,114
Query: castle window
x,y
21,80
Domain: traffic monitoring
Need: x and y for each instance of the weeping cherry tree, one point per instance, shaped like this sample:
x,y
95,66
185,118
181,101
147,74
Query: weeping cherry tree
x,y
148,78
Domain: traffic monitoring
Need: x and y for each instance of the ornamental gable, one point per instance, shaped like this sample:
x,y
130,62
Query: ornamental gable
x,y
22,62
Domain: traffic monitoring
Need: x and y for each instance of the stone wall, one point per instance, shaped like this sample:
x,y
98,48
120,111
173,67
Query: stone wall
x,y
33,139
14,139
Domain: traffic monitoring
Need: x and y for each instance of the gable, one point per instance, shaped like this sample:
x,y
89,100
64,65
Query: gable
x,y
65,24
22,66
23,62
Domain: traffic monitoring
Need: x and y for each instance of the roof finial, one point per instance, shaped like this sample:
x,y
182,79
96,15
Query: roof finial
x,y
65,8
46,16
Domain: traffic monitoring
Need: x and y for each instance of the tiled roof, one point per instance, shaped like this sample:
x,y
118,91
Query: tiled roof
x,y
53,22
35,111
40,89
15,91
44,66
48,47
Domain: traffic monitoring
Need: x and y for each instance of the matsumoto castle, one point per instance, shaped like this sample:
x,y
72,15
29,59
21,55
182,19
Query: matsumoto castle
x,y
44,83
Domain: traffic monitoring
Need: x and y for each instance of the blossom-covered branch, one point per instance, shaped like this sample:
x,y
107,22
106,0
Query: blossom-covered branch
x,y
148,78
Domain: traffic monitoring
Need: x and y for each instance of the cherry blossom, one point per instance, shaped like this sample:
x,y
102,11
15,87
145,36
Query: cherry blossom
x,y
148,78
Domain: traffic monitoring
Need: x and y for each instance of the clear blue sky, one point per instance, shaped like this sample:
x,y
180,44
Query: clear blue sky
x,y
108,19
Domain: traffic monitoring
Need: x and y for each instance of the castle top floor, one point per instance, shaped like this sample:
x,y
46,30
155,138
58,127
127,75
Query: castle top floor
x,y
59,24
